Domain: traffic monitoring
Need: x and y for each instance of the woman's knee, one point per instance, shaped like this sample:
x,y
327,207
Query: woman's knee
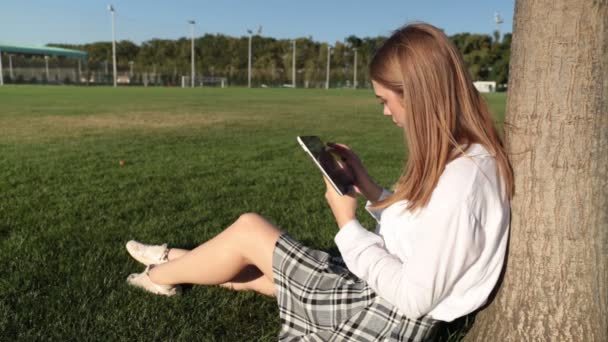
x,y
249,218
257,237
254,223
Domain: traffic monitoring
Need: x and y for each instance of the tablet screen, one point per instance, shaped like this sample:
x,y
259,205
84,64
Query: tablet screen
x,y
327,162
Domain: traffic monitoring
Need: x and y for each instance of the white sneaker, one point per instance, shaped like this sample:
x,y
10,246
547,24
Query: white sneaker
x,y
148,254
142,280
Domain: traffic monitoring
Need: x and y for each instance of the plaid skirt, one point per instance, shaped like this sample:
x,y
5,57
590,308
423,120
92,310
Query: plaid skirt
x,y
321,300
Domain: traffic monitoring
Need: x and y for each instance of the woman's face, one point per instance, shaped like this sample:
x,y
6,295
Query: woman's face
x,y
391,102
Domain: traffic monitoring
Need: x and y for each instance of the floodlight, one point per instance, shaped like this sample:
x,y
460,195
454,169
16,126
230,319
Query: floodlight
x,y
193,74
498,18
111,9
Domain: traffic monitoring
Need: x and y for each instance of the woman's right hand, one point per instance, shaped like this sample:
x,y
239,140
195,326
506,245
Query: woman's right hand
x,y
364,185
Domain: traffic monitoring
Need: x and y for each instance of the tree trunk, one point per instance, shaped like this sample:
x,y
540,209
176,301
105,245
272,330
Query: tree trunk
x,y
556,281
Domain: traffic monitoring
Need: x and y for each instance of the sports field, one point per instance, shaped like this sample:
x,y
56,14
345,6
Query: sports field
x,y
194,160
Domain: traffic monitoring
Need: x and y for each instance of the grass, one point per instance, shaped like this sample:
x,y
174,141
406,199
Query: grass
x,y
195,159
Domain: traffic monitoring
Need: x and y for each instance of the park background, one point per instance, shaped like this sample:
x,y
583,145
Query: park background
x,y
85,168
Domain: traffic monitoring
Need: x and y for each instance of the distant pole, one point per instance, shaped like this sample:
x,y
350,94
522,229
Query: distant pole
x,y
192,22
293,71
249,61
328,61
111,9
1,72
10,66
79,70
498,20
131,68
355,74
46,67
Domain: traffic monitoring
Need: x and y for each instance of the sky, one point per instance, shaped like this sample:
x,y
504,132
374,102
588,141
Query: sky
x,y
38,22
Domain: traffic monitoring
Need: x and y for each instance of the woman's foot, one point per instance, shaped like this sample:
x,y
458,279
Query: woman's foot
x,y
148,254
143,281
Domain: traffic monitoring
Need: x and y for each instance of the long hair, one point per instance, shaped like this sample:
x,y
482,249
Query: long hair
x,y
443,110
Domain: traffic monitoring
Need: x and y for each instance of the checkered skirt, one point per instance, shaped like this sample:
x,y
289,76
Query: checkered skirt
x,y
321,300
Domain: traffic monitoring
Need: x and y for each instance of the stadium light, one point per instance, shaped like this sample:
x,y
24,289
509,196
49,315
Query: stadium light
x,y
192,22
46,67
111,9
498,20
249,59
328,62
293,71
10,66
355,72
1,72
293,77
79,70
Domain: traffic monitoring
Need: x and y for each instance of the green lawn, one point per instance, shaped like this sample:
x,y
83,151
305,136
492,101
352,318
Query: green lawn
x,y
195,159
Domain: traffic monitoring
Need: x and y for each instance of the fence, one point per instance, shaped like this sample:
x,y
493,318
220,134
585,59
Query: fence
x,y
37,70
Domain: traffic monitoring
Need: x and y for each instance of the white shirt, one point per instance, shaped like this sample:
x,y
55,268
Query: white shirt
x,y
442,260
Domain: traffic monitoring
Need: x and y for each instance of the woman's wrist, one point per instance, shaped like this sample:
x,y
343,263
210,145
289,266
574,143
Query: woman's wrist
x,y
370,190
342,221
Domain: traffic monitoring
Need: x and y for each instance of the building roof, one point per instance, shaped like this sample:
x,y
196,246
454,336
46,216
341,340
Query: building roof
x,y
41,50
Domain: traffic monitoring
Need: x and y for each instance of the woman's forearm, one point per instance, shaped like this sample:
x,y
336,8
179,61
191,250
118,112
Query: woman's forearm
x,y
371,190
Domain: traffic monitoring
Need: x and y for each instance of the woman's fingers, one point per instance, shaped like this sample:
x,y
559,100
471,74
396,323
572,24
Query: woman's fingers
x,y
342,151
340,146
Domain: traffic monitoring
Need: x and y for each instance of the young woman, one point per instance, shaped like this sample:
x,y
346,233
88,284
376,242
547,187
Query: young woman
x,y
440,243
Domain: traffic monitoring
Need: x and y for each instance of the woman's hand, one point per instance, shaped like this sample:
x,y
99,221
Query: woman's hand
x,y
343,207
363,183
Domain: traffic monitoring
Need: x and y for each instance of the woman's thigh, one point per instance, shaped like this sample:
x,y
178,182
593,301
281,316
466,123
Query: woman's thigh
x,y
257,238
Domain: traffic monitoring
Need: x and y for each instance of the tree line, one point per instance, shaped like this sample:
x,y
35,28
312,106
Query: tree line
x,y
218,55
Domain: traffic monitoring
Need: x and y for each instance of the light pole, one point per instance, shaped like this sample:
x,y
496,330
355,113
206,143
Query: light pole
x,y
293,67
355,73
328,62
293,71
111,9
1,71
79,70
10,67
46,67
249,59
192,22
498,20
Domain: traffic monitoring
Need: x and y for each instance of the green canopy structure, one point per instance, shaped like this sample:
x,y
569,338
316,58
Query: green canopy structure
x,y
38,50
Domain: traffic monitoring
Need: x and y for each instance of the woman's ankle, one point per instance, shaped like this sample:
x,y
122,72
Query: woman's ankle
x,y
153,275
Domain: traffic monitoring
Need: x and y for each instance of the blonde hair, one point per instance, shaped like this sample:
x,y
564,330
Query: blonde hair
x,y
443,110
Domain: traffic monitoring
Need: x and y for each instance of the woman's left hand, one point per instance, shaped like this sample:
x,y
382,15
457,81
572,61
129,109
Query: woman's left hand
x,y
343,207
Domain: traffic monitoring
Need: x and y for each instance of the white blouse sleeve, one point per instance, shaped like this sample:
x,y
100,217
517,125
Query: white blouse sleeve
x,y
447,244
377,213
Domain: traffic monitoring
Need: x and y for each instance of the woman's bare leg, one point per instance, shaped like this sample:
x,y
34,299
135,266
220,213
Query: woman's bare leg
x,y
176,253
250,277
227,259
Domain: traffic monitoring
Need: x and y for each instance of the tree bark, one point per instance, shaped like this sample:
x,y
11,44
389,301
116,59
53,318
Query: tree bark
x,y
556,280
